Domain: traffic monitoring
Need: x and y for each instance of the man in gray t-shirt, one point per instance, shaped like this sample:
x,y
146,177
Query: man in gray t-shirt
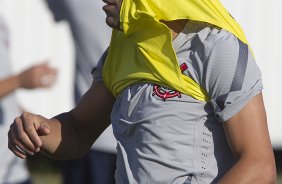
x,y
191,131
163,135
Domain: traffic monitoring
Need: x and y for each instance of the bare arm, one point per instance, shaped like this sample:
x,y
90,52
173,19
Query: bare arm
x,y
8,85
248,137
28,79
67,135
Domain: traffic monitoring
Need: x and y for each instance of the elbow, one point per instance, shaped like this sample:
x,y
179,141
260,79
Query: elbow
x,y
256,169
269,173
265,172
74,151
268,168
84,149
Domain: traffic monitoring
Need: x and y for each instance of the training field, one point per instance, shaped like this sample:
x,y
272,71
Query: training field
x,y
45,171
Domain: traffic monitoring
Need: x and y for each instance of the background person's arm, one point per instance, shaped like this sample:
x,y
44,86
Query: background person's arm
x,y
248,136
67,135
37,76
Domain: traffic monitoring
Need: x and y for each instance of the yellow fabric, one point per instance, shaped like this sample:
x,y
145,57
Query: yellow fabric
x,y
143,51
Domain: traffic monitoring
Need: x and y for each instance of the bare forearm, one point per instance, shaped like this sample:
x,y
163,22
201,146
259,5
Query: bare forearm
x,y
64,140
29,79
67,135
85,123
9,85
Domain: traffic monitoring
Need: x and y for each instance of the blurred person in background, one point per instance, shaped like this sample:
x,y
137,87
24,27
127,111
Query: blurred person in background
x,y
91,36
12,169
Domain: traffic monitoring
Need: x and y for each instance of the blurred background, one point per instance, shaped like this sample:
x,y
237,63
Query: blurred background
x,y
36,37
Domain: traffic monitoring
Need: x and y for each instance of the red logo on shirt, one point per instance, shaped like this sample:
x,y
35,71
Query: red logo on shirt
x,y
165,93
183,67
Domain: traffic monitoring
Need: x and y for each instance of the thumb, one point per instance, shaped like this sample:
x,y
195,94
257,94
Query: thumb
x,y
43,129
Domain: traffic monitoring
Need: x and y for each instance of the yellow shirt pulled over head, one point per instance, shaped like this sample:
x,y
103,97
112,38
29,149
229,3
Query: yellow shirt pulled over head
x,y
143,51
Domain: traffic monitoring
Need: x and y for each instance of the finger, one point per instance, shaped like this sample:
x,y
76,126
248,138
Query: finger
x,y
29,127
17,152
13,148
20,135
43,129
17,145
21,142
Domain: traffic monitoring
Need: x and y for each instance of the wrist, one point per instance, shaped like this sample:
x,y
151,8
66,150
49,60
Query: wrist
x,y
16,82
9,85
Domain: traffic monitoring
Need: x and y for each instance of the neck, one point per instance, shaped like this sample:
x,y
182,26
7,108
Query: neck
x,y
176,26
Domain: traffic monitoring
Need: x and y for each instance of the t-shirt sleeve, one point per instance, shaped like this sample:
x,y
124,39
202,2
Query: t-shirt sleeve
x,y
232,77
97,72
57,7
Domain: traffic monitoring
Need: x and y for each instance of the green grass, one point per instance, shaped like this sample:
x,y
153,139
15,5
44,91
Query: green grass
x,y
278,159
46,178
44,170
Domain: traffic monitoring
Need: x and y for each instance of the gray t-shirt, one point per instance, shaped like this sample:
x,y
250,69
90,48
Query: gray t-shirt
x,y
174,138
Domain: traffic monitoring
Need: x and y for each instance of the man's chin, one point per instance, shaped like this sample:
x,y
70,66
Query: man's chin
x,y
112,23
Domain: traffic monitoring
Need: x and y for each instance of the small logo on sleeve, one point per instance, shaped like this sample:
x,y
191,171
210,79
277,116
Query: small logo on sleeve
x,y
183,67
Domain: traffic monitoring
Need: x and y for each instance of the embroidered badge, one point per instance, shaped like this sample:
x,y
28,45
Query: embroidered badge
x,y
165,93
